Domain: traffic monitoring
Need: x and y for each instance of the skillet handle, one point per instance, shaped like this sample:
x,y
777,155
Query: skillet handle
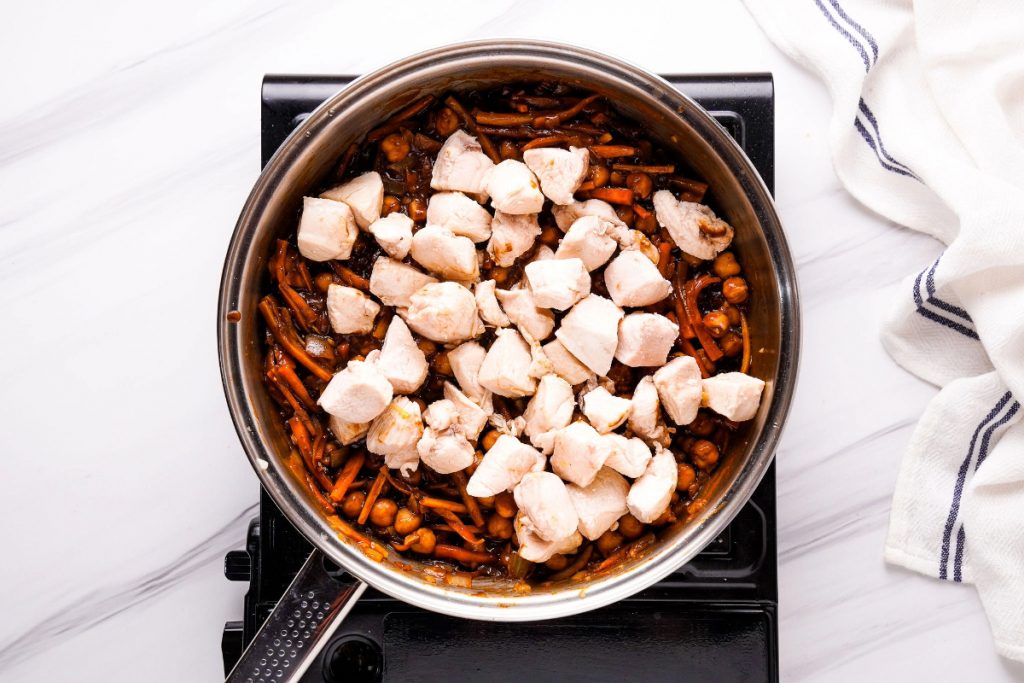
x,y
309,612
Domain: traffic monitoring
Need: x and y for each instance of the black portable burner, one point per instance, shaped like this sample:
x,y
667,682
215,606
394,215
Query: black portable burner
x,y
712,620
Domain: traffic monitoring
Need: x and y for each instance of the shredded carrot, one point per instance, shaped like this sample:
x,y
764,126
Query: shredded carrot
x,y
745,362
549,141
549,120
691,188
705,371
457,526
398,483
287,373
492,118
288,338
685,328
350,277
642,168
318,495
451,552
349,472
394,123
470,502
693,290
371,496
664,258
613,195
277,262
442,504
641,211
485,142
612,151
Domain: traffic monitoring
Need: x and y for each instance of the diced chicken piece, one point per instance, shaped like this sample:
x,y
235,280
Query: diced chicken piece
x,y
444,312
560,171
441,251
540,365
462,215
590,332
395,433
511,237
503,466
487,304
533,548
694,227
600,505
506,368
546,507
549,410
604,410
632,280
645,340
580,452
679,388
636,240
347,432
461,165
364,194
557,283
349,310
566,215
443,447
514,189
394,234
514,427
645,415
589,239
566,365
466,360
401,360
394,282
734,395
327,229
650,495
629,456
543,253
358,393
471,417
523,311
441,415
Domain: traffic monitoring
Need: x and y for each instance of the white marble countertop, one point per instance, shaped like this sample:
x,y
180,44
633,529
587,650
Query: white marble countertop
x,y
129,137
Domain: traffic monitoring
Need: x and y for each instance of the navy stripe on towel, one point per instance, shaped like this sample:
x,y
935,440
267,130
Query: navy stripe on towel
x,y
846,34
870,116
857,27
930,284
934,316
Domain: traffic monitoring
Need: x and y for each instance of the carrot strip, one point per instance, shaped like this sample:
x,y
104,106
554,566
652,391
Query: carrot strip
x,y
394,123
613,195
304,313
442,504
549,141
346,160
470,502
493,118
277,262
693,290
457,526
451,552
288,338
641,211
371,496
287,374
318,495
300,434
612,151
644,168
548,120
485,143
694,188
664,258
350,277
349,472
581,560
745,361
705,371
398,483
685,328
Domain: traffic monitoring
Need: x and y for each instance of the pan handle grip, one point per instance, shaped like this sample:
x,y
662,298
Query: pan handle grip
x,y
309,612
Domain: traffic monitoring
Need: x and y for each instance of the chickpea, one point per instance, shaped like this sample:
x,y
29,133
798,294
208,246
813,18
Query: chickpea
x,y
735,290
598,174
550,236
382,513
666,517
717,324
641,184
323,281
499,527
731,312
557,563
726,265
500,275
702,425
648,224
616,178
353,503
608,542
505,505
407,521
446,122
425,541
704,454
687,475
487,501
428,347
508,150
630,527
442,365
731,344
418,210
488,439
395,147
625,214
391,204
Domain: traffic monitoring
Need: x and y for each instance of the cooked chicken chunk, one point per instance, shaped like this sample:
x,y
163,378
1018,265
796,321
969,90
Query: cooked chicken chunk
x,y
511,237
394,234
566,215
441,251
443,447
461,165
487,304
636,240
734,395
462,215
632,280
523,311
503,466
358,393
349,310
506,368
589,239
327,229
444,312
347,432
395,433
566,365
560,171
590,332
557,283
604,410
694,227
679,388
645,339
579,453
540,365
466,360
650,495
599,505
549,410
394,282
546,507
533,548
629,456
472,418
401,360
645,415
514,189
364,194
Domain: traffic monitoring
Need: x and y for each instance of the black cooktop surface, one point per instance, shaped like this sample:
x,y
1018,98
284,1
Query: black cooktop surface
x,y
712,620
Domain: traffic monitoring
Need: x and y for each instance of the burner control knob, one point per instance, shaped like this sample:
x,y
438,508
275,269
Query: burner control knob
x,y
237,565
353,659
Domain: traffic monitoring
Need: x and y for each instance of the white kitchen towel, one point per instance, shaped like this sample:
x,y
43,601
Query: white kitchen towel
x,y
928,131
